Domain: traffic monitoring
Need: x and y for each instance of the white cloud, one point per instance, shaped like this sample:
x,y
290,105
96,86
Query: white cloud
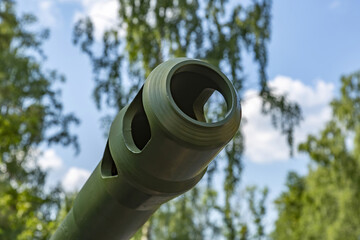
x,y
74,179
307,96
45,159
102,12
47,13
49,160
266,144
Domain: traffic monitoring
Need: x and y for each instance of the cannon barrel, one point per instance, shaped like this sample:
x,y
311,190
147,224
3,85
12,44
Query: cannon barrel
x,y
159,147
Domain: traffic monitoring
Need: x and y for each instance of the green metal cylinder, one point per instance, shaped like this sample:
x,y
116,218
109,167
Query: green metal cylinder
x,y
159,147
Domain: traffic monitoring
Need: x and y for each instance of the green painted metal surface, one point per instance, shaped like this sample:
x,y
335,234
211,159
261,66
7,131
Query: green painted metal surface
x,y
159,147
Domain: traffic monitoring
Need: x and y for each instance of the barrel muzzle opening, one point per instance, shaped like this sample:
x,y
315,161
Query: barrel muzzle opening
x,y
201,94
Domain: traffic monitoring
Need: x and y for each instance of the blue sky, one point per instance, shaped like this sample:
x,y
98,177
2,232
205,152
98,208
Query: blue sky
x,y
313,43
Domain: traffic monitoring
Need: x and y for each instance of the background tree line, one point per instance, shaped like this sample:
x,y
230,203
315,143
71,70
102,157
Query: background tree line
x,y
321,205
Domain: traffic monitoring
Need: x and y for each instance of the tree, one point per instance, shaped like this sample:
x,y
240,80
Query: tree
x,y
149,32
324,204
258,209
31,114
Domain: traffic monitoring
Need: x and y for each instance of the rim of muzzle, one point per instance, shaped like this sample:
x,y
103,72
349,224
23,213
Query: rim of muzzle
x,y
163,111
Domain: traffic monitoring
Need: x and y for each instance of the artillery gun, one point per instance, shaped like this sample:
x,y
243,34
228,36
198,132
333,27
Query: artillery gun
x,y
159,147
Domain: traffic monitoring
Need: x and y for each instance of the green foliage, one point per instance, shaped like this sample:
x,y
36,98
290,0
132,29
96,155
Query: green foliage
x,y
149,32
179,219
258,210
31,114
325,203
